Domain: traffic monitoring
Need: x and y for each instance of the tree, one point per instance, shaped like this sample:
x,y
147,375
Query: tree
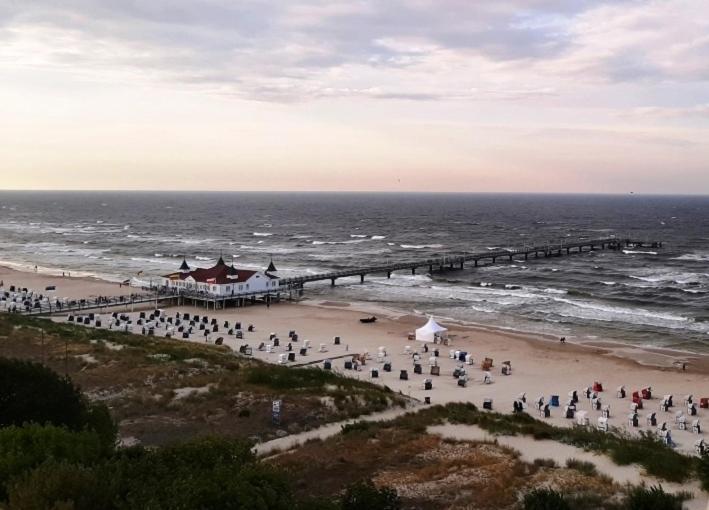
x,y
365,494
33,393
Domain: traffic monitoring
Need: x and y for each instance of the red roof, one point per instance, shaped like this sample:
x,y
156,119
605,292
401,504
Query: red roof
x,y
221,274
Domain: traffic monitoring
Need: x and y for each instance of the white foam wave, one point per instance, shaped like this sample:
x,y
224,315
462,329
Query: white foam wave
x,y
262,234
420,246
638,252
693,257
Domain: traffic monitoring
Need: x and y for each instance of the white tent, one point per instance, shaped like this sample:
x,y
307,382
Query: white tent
x,y
430,331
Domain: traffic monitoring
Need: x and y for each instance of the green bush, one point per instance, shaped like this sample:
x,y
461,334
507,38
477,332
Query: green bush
x,y
58,486
547,463
653,498
33,393
703,471
365,494
545,499
24,448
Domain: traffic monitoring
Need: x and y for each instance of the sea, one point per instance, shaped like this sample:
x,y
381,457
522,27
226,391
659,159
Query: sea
x,y
641,296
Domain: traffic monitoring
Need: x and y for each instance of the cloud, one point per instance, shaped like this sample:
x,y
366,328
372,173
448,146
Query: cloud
x,y
417,50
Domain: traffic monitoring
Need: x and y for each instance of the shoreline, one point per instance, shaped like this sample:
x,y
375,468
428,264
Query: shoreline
x,y
651,357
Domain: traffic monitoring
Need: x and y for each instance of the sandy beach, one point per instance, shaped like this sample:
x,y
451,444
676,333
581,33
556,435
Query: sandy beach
x,y
540,366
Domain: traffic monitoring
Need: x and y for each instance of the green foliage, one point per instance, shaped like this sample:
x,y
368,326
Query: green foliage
x,y
365,494
545,499
653,498
356,426
24,448
32,393
703,471
60,486
206,473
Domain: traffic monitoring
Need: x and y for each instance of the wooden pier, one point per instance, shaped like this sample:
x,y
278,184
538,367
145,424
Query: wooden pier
x,y
289,286
451,262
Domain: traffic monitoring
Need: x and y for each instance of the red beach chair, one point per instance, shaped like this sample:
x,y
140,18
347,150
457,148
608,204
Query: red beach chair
x,y
637,399
704,403
647,393
597,387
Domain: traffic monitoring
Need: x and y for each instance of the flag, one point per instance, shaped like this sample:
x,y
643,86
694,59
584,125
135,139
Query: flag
x,y
211,280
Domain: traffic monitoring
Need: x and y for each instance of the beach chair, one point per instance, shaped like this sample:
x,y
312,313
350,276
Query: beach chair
x,y
633,420
539,403
487,404
522,397
283,358
602,424
574,396
487,378
435,370
582,419
692,409
219,341
637,400
704,402
665,405
651,420
668,399
462,355
596,404
404,375
545,412
506,368
348,365
432,361
418,369
322,348
327,364
374,373
468,359
662,427
407,350
696,428
487,364
291,356
554,401
306,344
386,367
682,422
303,351
647,393
276,342
463,381
606,411
620,392
269,348
700,447
688,399
427,384
597,387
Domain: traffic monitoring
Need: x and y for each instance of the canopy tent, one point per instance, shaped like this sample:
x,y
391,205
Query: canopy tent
x,y
430,331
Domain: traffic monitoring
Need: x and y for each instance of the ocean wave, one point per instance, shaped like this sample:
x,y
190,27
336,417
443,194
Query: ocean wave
x,y
262,234
420,246
638,252
351,241
358,235
693,257
609,283
378,238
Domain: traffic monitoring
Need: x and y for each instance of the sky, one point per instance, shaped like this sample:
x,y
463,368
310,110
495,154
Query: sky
x,y
372,95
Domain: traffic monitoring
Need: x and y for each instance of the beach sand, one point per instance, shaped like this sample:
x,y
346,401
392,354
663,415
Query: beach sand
x,y
540,366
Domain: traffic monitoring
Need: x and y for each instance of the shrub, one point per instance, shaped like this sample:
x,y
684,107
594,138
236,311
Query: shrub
x,y
548,463
24,448
653,498
33,393
587,468
244,413
60,485
365,494
545,499
703,471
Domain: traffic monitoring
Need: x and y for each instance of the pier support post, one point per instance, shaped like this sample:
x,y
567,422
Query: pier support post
x,y
526,255
332,282
476,262
388,274
493,259
568,250
462,264
413,270
430,268
361,278
510,258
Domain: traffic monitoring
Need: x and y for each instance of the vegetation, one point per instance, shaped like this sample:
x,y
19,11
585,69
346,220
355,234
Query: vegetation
x,y
653,498
161,390
365,494
545,499
587,468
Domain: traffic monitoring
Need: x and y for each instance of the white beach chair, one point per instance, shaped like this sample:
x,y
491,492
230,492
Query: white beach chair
x,y
633,420
451,354
678,416
487,378
682,422
322,348
468,359
603,424
433,361
606,411
696,428
283,359
407,350
700,447
582,418
306,344
269,348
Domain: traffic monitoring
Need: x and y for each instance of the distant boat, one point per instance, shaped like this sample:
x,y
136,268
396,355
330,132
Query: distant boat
x,y
368,320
